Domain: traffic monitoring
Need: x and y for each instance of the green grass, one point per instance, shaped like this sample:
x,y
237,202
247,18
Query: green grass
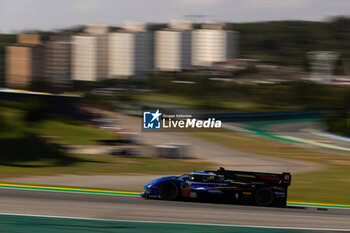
x,y
72,134
59,130
166,99
100,164
208,102
187,101
329,185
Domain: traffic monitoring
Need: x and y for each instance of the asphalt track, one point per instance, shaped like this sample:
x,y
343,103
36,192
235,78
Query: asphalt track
x,y
12,223
134,208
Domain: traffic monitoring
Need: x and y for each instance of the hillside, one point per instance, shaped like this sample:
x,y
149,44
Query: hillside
x,y
286,42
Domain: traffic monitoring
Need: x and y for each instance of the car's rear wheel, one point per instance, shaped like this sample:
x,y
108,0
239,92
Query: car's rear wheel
x,y
264,196
168,190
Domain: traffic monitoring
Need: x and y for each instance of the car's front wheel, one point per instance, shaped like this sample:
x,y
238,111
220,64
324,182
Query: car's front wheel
x,y
168,190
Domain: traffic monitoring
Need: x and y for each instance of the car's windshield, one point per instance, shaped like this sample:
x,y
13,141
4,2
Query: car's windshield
x,y
186,177
201,178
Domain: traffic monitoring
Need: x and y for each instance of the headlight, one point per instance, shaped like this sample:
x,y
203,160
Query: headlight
x,y
148,189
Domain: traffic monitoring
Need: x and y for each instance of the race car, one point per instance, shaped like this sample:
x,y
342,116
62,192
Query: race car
x,y
263,189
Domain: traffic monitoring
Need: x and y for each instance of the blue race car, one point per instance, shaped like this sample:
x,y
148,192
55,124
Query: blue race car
x,y
263,189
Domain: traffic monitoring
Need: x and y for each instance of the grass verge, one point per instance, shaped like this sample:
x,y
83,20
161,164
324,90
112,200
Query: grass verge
x,y
72,134
99,164
187,101
209,103
58,130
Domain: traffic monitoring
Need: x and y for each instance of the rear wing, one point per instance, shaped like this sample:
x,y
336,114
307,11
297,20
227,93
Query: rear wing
x,y
284,178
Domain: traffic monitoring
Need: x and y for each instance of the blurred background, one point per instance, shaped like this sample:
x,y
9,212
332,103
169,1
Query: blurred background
x,y
75,76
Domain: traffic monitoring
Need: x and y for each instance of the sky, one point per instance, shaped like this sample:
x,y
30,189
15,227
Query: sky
x,y
18,15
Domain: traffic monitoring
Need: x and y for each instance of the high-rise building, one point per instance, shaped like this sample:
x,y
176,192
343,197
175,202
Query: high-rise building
x,y
24,61
172,50
173,47
130,51
213,44
58,58
89,54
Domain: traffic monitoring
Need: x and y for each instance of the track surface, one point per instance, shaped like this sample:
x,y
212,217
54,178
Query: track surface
x,y
11,223
135,208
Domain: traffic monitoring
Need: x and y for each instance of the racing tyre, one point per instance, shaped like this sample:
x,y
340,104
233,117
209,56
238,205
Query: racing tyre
x,y
264,197
168,191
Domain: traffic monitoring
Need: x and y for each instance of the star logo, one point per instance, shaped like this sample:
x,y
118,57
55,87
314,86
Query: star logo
x,y
156,115
151,120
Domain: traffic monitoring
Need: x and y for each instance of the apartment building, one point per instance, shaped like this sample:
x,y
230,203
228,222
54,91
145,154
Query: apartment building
x,y
130,51
58,58
89,54
213,44
173,47
24,61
